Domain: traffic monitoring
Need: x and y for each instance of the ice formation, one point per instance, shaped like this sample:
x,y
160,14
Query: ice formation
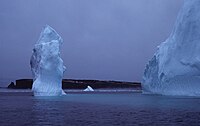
x,y
88,89
46,65
175,67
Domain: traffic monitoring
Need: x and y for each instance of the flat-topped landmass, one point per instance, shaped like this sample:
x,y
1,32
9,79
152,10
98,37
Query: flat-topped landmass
x,y
79,84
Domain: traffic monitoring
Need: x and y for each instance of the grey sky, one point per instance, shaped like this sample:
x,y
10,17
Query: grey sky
x,y
103,39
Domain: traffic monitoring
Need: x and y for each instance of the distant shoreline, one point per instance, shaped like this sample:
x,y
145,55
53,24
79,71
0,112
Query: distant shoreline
x,y
80,84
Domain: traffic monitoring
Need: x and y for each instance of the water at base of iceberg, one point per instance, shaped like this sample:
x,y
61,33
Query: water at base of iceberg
x,y
67,91
100,109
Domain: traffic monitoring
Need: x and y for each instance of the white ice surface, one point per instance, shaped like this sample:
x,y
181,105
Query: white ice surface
x,y
88,89
46,65
175,67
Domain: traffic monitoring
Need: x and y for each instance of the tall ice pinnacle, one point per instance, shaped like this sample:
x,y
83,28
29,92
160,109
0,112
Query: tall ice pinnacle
x,y
46,65
175,67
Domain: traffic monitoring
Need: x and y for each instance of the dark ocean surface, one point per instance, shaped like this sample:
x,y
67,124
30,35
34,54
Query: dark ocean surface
x,y
20,108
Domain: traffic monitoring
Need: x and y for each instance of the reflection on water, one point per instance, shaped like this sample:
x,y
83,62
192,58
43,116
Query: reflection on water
x,y
98,109
47,113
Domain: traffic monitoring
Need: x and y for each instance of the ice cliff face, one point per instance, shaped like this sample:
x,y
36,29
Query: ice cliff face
x,y
175,67
46,64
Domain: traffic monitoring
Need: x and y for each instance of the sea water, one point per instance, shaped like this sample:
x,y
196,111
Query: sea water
x,y
20,107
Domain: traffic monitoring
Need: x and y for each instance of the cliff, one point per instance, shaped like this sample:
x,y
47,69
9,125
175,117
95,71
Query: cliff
x,y
79,84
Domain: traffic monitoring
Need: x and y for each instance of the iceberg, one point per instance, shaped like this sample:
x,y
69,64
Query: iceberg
x,y
175,67
88,89
46,65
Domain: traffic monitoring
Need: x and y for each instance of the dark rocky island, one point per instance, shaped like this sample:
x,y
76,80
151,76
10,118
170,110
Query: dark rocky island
x,y
80,84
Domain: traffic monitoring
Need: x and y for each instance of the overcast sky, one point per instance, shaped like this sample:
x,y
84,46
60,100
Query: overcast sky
x,y
103,39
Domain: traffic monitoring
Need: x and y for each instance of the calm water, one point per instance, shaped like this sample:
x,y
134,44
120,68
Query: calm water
x,y
97,109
